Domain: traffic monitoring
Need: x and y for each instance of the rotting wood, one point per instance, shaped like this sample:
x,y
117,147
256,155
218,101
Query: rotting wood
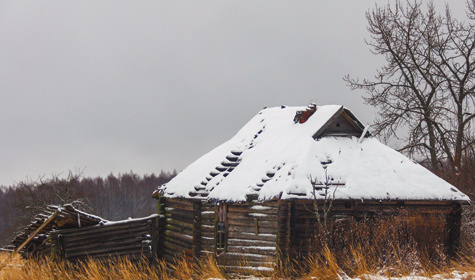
x,y
260,250
247,242
179,223
108,231
252,236
252,229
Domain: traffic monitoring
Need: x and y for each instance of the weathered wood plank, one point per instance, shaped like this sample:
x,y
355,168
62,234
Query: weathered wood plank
x,y
107,234
180,236
249,242
252,229
246,216
132,247
179,229
253,236
179,223
260,250
261,223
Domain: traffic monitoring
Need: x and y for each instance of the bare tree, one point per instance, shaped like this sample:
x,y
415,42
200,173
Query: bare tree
x,y
323,199
427,85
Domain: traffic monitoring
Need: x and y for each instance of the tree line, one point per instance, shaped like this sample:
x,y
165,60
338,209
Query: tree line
x,y
114,197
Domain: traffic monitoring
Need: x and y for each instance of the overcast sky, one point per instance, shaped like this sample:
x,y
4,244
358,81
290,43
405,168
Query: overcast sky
x,y
118,86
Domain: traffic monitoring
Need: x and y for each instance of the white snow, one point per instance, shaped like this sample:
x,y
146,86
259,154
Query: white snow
x,y
130,220
271,143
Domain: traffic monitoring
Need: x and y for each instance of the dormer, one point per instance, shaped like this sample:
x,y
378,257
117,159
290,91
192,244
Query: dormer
x,y
342,123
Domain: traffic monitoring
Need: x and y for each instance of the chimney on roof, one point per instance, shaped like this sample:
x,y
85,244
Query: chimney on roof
x,y
302,116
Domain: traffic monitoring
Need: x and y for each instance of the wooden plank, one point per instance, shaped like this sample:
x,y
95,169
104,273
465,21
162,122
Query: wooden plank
x,y
180,236
179,229
174,248
180,217
248,242
252,229
252,209
179,204
102,228
70,248
247,216
131,247
180,242
253,236
248,257
106,235
207,241
261,250
179,223
261,223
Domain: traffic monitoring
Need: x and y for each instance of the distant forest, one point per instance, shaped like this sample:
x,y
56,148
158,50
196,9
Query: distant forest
x,y
112,198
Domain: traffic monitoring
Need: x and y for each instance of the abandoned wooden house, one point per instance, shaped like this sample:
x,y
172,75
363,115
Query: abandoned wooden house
x,y
69,234
251,198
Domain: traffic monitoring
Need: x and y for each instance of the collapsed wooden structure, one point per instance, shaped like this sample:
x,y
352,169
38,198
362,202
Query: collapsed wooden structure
x,y
247,202
69,234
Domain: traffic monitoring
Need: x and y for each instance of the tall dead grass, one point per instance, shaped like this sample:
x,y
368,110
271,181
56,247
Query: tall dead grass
x,y
389,247
325,265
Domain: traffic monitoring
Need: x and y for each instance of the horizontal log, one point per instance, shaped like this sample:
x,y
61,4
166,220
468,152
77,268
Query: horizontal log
x,y
179,223
174,250
251,216
179,204
107,233
209,234
72,247
260,223
210,222
177,241
252,209
252,236
128,255
248,266
260,250
207,241
139,252
177,235
92,229
179,217
139,247
179,229
248,242
247,257
252,229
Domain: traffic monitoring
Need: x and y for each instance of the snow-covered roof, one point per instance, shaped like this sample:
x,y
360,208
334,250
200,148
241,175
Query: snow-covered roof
x,y
273,156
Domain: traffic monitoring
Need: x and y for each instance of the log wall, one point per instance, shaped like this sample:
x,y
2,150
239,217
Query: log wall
x,y
208,229
129,238
179,225
303,230
252,233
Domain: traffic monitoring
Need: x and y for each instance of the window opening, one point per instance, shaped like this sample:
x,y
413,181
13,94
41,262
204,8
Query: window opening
x,y
221,233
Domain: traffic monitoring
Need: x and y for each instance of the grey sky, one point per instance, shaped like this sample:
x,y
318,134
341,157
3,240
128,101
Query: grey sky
x,y
114,86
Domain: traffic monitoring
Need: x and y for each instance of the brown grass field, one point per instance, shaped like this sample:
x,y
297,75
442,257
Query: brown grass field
x,y
362,264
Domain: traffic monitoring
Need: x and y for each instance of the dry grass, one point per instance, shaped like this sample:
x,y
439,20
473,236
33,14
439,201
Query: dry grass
x,y
322,266
378,248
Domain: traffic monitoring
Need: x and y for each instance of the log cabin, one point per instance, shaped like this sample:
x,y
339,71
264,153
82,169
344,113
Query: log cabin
x,y
252,198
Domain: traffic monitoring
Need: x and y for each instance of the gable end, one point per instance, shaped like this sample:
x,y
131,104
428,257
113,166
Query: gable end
x,y
343,123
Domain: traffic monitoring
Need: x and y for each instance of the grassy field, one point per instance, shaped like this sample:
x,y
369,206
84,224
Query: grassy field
x,y
360,265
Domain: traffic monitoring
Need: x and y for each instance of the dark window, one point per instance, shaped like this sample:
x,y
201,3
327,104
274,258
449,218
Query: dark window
x,y
220,236
221,228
